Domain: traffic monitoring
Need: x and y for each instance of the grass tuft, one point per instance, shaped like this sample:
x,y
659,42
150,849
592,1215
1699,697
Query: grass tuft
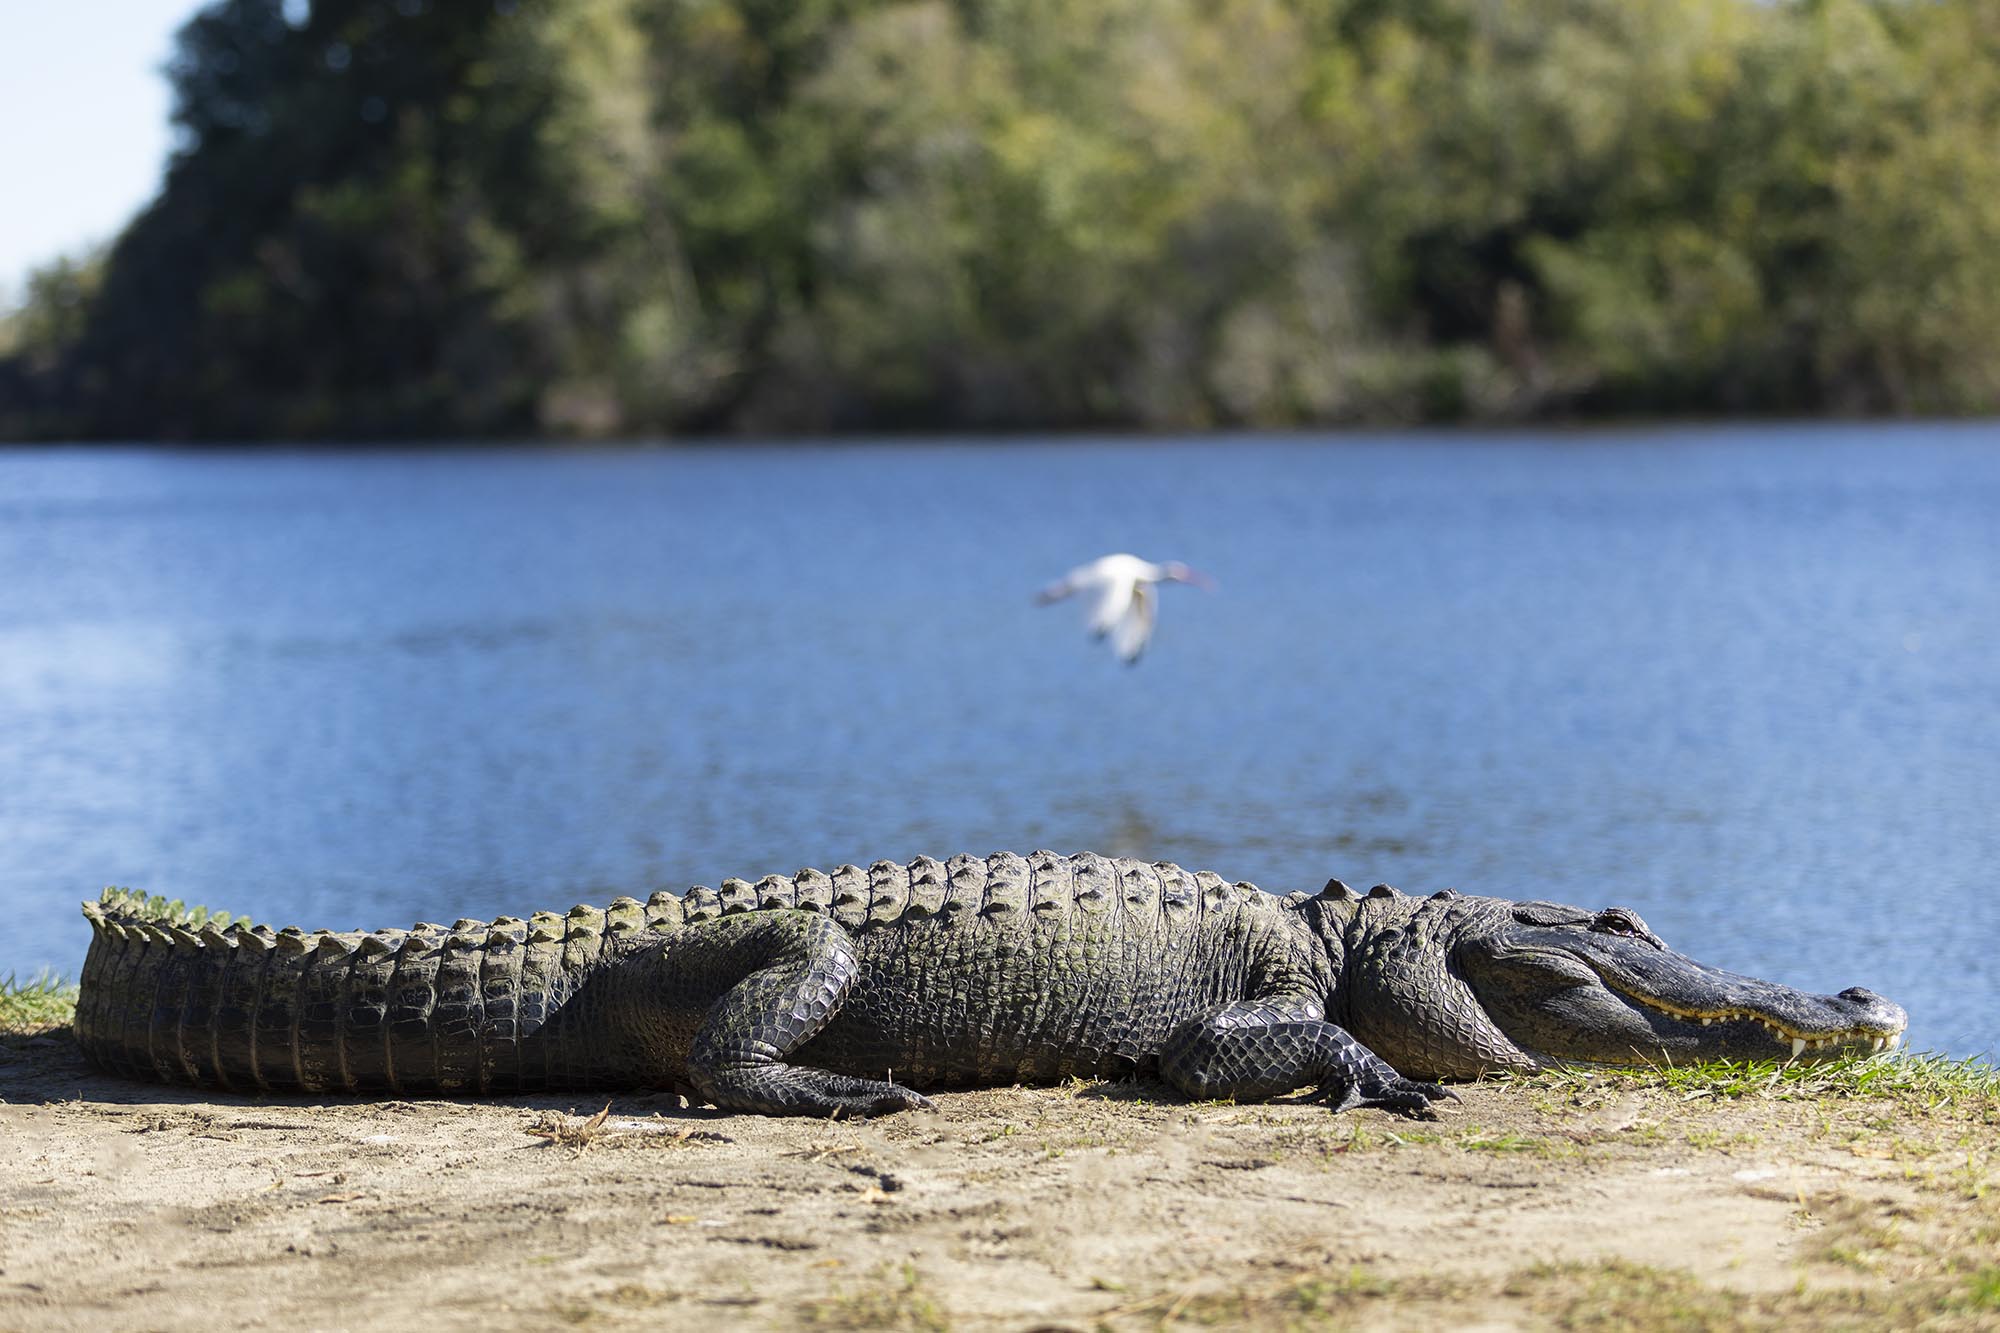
x,y
40,1004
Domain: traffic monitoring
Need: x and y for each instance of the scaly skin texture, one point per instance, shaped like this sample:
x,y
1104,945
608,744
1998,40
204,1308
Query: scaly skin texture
x,y
844,993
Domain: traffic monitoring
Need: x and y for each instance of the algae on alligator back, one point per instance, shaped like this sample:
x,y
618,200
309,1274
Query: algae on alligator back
x,y
844,993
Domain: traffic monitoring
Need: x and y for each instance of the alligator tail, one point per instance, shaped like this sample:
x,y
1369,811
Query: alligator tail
x,y
192,997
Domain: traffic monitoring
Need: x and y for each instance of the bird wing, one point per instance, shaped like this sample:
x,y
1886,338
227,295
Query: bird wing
x,y
1129,634
1114,603
1078,579
1056,591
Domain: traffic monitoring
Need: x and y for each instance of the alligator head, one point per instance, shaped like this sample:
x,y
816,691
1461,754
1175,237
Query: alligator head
x,y
1454,986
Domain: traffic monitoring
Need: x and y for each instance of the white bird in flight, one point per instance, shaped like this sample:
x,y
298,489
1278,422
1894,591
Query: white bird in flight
x,y
1126,604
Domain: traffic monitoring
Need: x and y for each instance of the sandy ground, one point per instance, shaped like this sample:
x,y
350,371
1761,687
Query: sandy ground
x,y
1604,1203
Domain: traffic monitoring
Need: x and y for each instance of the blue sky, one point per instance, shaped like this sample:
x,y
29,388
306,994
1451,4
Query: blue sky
x,y
85,105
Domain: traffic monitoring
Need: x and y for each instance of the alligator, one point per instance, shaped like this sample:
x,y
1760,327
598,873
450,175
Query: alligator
x,y
843,994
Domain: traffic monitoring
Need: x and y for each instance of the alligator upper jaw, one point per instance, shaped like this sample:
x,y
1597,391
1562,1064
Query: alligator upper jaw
x,y
1872,1023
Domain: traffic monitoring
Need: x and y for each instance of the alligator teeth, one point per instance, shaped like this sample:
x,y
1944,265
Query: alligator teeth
x,y
1798,1045
1875,1045
1706,1021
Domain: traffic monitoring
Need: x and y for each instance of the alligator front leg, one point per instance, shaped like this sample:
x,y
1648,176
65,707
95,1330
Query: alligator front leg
x,y
1255,1049
804,965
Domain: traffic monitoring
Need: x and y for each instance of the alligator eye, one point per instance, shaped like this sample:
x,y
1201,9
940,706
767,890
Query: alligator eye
x,y
1621,921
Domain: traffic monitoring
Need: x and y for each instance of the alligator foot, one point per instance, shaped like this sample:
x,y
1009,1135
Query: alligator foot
x,y
1359,1077
782,1089
796,969
871,1098
1404,1096
1254,1049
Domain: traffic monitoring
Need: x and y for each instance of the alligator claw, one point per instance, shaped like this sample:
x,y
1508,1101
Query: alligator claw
x,y
1412,1099
892,1098
1403,1096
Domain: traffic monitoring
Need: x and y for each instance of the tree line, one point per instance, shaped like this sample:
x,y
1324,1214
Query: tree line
x,y
396,218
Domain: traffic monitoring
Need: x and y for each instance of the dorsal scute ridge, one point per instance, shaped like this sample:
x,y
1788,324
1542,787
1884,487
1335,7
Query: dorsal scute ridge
x,y
337,944
812,890
583,936
888,892
996,886
664,910
929,886
1006,885
1213,891
1140,890
1052,883
929,883
1094,882
775,893
850,895
736,895
965,884
506,932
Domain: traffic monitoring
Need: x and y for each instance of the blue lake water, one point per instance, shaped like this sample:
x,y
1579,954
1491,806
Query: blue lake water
x,y
1743,679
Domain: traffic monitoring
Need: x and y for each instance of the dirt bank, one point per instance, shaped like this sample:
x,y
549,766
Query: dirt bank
x,y
1553,1201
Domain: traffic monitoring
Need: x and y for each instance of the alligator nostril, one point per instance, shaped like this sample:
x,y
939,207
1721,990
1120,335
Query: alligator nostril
x,y
1860,996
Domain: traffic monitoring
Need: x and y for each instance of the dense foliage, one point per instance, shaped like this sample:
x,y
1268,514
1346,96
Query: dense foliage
x,y
395,217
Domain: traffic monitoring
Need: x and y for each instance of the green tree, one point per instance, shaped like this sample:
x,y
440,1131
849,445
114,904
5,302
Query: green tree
x,y
407,217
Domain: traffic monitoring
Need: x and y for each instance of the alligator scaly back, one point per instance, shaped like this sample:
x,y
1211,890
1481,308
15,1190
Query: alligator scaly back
x,y
525,1005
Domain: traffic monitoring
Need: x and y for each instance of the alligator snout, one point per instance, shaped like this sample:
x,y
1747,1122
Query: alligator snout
x,y
1875,1010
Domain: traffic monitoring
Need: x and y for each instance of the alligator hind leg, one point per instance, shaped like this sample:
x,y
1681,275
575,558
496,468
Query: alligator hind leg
x,y
802,966
1255,1049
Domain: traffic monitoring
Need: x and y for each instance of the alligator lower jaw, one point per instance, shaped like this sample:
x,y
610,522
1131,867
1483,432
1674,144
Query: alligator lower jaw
x,y
1878,1039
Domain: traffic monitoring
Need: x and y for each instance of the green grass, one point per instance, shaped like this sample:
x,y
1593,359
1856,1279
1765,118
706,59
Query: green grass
x,y
1918,1077
36,1005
